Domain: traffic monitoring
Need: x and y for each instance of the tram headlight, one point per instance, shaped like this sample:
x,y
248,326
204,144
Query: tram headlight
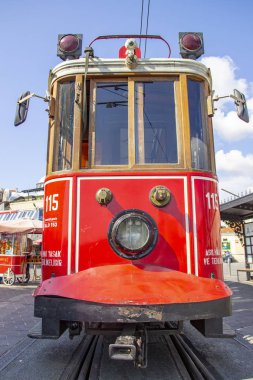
x,y
132,234
191,45
69,46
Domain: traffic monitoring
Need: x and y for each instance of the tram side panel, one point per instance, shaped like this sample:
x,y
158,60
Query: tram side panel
x,y
57,233
189,238
206,227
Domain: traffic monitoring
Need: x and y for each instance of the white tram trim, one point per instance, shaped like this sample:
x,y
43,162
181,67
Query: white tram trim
x,y
186,207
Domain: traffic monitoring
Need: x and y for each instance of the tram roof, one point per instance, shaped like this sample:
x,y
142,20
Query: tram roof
x,y
107,66
240,208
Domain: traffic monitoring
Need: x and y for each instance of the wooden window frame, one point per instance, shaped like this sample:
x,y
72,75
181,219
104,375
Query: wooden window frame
x,y
131,124
206,122
92,127
181,116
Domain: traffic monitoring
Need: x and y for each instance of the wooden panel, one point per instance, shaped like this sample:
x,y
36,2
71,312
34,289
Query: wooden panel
x,y
78,109
51,133
210,133
140,121
179,124
131,135
186,137
92,123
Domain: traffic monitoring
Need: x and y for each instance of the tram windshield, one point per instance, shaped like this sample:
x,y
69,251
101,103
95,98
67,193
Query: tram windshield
x,y
132,122
111,124
152,132
155,123
64,137
200,144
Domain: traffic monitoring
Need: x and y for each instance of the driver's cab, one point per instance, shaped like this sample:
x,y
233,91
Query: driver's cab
x,y
140,122
130,113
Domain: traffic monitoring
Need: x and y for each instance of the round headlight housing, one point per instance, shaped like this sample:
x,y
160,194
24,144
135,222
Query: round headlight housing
x,y
132,234
69,43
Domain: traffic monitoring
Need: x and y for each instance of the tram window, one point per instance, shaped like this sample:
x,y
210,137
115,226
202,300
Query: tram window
x,y
64,132
111,120
85,130
155,123
198,126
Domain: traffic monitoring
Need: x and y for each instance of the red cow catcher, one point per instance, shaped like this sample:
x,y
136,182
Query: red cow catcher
x,y
131,215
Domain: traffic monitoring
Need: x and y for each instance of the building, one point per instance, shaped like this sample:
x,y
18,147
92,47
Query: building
x,y
231,242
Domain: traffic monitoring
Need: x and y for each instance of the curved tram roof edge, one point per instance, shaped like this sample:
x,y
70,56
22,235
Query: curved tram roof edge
x,y
117,66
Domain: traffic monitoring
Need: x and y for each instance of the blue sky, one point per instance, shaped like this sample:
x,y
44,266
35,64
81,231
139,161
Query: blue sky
x,y
29,30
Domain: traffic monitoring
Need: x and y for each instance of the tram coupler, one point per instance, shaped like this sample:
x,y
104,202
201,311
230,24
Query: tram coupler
x,y
125,345
130,345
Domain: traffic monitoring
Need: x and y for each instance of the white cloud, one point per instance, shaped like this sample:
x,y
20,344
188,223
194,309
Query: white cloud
x,y
230,128
223,71
234,162
235,172
226,123
238,186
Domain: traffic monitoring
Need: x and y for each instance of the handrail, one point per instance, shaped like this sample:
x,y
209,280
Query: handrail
x,y
141,36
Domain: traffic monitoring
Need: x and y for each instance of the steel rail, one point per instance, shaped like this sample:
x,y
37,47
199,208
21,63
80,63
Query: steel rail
x,y
192,361
86,360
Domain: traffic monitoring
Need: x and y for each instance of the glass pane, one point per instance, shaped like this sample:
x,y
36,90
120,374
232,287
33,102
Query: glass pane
x,y
198,125
247,241
250,259
252,241
155,123
64,133
111,124
248,250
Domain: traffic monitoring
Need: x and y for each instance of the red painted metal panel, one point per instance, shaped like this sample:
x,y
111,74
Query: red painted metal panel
x,y
56,243
193,200
206,219
131,193
14,262
134,285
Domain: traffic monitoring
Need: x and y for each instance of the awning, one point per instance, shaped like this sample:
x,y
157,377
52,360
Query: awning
x,y
21,226
238,209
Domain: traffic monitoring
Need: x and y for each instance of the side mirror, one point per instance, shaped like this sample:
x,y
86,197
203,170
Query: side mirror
x,y
241,106
240,103
22,108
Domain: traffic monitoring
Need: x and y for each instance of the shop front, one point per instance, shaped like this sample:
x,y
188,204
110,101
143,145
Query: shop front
x,y
17,249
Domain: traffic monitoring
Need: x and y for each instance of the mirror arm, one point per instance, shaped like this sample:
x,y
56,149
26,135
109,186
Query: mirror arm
x,y
237,100
46,99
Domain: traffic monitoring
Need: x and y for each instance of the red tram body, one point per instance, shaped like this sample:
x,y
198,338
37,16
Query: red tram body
x,y
131,212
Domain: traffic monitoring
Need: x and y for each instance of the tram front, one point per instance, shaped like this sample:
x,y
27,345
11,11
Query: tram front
x,y
131,214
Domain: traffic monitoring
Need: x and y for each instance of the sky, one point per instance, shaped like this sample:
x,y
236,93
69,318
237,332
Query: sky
x,y
28,39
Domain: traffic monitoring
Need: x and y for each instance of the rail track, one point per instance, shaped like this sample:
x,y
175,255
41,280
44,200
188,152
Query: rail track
x,y
185,361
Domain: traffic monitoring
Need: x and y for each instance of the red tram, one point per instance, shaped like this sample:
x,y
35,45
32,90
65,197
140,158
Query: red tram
x,y
131,239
